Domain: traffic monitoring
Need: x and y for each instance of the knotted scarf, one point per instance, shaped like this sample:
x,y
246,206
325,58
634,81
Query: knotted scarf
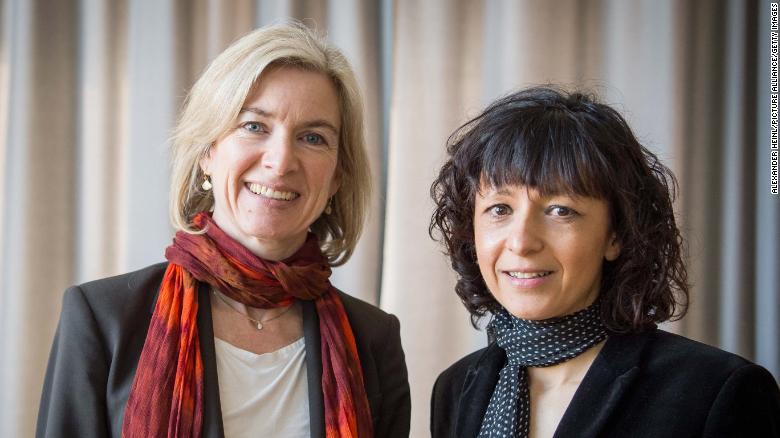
x,y
533,344
166,399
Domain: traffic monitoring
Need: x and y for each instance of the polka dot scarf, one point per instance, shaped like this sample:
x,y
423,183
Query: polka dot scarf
x,y
533,344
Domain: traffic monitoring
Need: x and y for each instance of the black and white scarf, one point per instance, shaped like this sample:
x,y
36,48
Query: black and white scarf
x,y
533,344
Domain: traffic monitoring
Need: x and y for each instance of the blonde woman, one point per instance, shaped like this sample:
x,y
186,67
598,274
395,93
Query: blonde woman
x,y
240,332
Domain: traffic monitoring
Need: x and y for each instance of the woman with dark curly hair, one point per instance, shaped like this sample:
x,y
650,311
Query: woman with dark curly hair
x,y
560,226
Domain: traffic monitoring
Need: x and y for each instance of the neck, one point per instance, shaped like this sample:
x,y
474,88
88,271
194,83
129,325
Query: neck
x,y
570,372
252,312
271,250
267,249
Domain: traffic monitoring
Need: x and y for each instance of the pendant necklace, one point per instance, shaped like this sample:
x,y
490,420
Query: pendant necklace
x,y
256,322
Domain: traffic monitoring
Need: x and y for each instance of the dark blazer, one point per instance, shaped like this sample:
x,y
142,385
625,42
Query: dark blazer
x,y
654,384
102,331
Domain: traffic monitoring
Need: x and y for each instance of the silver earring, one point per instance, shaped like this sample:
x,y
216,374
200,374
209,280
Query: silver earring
x,y
206,186
328,209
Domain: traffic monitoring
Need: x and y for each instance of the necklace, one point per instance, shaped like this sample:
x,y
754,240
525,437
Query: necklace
x,y
257,323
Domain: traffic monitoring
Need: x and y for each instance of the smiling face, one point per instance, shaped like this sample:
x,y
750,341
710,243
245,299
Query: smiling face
x,y
541,257
274,171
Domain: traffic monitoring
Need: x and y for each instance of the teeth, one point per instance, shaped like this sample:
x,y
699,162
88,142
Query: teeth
x,y
260,189
526,275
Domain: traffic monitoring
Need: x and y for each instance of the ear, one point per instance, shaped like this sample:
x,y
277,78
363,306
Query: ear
x,y
335,185
613,248
205,161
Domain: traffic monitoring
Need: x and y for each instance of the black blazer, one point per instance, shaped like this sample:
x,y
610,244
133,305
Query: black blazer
x,y
102,330
654,384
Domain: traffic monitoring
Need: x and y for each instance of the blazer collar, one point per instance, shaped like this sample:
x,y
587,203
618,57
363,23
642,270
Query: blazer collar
x,y
311,335
606,381
212,410
481,379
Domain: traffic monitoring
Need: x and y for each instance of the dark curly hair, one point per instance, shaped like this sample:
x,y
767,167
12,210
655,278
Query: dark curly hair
x,y
559,142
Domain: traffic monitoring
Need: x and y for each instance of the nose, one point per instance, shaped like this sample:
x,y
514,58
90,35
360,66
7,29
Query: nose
x,y
525,237
279,154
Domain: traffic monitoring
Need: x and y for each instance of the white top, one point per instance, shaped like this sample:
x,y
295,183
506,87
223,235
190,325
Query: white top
x,y
263,395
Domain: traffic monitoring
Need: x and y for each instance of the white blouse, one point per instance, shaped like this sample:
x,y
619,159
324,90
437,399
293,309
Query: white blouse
x,y
263,395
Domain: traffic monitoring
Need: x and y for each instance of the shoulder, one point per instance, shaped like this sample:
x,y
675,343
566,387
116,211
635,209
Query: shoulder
x,y
119,284
454,375
717,389
677,361
114,302
488,361
728,371
365,317
664,349
736,397
476,374
121,289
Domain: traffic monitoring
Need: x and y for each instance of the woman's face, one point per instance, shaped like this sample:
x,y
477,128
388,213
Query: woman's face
x,y
541,257
274,171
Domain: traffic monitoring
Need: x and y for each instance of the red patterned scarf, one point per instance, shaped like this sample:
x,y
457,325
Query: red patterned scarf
x,y
166,399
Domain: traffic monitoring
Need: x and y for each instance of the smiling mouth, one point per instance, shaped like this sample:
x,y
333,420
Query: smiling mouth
x,y
528,275
268,192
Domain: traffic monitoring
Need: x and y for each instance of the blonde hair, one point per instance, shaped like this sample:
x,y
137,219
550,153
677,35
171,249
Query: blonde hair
x,y
215,101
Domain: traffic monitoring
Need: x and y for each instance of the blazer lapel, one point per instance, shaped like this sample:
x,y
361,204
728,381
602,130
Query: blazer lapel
x,y
311,335
212,410
478,386
609,377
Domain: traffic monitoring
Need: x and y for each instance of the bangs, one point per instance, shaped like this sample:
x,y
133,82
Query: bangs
x,y
547,150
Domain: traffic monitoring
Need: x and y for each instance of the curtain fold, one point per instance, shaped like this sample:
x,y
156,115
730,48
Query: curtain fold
x,y
436,46
90,90
38,215
766,216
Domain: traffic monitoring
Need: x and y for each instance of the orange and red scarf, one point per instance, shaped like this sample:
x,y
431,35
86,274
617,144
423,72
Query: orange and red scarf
x,y
166,399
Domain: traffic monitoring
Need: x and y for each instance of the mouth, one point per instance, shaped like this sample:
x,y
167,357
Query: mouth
x,y
528,275
267,192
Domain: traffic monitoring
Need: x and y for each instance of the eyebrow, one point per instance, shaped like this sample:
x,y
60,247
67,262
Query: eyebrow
x,y
317,123
503,191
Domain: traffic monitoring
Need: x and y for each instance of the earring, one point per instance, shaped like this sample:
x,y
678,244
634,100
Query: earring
x,y
206,186
328,209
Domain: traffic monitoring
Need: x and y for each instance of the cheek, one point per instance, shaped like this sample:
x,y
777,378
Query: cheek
x,y
325,173
487,244
488,240
583,257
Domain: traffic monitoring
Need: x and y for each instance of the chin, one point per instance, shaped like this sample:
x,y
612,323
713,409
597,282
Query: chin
x,y
533,309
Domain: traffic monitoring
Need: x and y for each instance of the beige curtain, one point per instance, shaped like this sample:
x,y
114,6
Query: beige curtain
x,y
89,91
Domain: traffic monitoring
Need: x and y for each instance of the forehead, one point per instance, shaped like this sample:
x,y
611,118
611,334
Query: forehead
x,y
486,189
488,193
294,93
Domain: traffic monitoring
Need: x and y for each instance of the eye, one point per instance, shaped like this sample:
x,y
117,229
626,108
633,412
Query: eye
x,y
253,127
499,210
313,139
560,211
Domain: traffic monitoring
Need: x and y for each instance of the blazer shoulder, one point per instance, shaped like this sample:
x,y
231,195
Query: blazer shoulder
x,y
119,301
130,280
365,317
736,396
120,288
674,350
355,304
454,375
475,371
